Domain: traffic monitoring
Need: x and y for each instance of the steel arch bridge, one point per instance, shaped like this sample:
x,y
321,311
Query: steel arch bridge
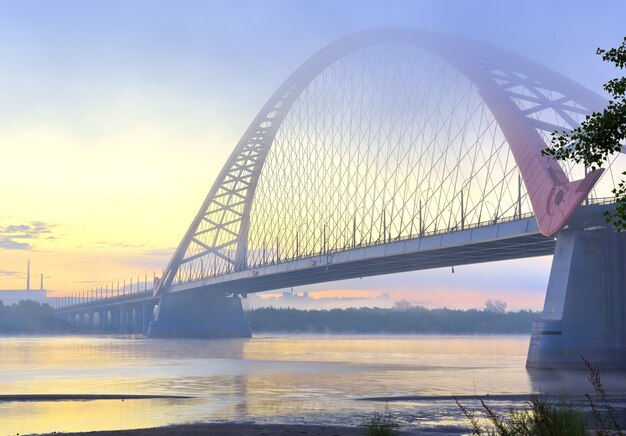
x,y
388,135
389,151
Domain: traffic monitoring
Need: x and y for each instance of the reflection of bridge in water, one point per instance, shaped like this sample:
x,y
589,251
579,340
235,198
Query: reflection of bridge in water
x,y
393,151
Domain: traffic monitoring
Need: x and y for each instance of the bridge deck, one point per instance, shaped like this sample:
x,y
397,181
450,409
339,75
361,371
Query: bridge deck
x,y
512,239
508,240
501,241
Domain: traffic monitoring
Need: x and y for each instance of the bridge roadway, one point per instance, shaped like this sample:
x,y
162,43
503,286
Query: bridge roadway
x,y
488,242
512,239
506,239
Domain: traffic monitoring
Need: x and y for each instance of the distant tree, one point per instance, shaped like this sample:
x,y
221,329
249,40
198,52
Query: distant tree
x,y
600,135
30,317
402,305
495,306
375,320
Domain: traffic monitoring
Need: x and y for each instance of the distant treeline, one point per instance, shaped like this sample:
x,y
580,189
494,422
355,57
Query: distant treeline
x,y
30,317
412,320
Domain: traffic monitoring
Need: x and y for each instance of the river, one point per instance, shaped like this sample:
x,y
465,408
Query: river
x,y
279,379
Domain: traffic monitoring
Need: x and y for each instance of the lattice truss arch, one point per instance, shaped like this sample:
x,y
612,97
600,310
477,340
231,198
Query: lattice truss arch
x,y
525,103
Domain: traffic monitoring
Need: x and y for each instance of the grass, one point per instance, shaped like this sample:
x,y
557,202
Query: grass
x,y
544,419
380,424
541,418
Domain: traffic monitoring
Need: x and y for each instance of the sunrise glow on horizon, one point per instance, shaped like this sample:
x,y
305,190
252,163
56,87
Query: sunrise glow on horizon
x,y
113,130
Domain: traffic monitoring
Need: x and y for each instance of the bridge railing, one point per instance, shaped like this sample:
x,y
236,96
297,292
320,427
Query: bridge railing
x,y
600,201
379,241
104,292
361,244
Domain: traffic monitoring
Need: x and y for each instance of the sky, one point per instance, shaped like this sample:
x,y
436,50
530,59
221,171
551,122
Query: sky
x,y
116,117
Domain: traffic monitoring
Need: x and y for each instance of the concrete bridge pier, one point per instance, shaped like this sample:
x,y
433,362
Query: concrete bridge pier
x,y
107,319
71,319
136,318
115,320
101,320
122,319
86,322
585,308
127,325
147,313
132,319
199,314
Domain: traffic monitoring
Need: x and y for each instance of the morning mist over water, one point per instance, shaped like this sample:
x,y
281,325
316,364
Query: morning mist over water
x,y
379,234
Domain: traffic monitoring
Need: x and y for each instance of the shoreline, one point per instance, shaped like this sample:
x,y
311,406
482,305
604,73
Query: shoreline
x,y
17,398
224,429
255,429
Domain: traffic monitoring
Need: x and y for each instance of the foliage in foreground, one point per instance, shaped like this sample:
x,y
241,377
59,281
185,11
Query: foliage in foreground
x,y
380,424
541,418
601,134
545,419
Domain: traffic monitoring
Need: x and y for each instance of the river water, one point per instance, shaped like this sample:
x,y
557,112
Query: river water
x,y
278,379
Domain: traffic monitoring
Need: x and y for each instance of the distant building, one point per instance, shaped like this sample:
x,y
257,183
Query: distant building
x,y
9,297
303,301
295,296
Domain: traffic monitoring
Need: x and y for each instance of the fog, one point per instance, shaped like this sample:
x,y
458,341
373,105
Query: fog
x,y
171,87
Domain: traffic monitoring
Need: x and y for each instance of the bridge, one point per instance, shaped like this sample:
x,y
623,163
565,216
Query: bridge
x,y
389,151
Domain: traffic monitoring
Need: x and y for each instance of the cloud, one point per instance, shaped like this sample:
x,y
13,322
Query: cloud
x,y
160,252
8,273
12,236
133,249
107,244
16,229
9,244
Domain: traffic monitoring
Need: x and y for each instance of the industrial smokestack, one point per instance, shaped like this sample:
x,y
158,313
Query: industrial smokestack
x,y
28,275
41,282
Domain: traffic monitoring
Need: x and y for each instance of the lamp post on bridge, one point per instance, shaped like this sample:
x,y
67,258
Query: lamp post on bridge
x,y
495,208
421,218
519,194
297,250
277,243
465,185
354,217
462,212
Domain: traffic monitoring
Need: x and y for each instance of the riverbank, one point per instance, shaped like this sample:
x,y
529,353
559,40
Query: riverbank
x,y
232,429
251,429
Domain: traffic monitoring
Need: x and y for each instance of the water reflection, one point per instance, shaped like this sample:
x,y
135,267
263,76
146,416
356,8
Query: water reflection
x,y
568,382
313,379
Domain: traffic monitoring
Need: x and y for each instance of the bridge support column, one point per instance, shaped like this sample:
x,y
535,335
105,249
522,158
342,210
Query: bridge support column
x,y
138,322
116,315
147,309
198,314
102,320
123,325
132,318
585,309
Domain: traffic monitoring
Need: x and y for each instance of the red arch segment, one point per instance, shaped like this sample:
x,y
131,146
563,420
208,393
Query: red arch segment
x,y
554,198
